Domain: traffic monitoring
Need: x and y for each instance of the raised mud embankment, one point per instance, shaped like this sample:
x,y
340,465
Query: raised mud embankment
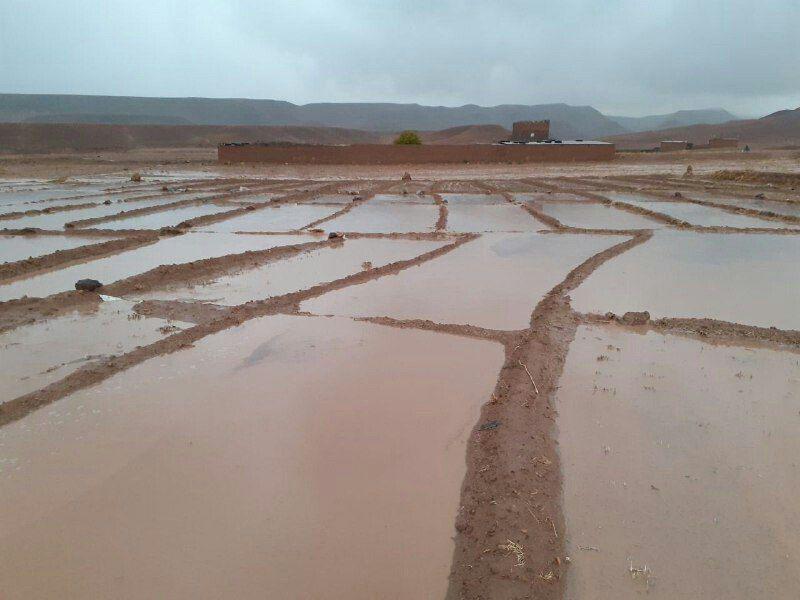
x,y
385,154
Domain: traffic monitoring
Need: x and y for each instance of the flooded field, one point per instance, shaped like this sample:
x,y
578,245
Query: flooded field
x,y
166,251
34,356
348,391
20,247
591,215
296,273
681,456
242,459
695,214
287,217
493,282
741,278
386,218
474,217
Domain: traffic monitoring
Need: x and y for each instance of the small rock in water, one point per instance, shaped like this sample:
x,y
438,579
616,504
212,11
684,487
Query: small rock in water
x,y
335,235
406,176
136,177
106,201
88,285
760,196
677,195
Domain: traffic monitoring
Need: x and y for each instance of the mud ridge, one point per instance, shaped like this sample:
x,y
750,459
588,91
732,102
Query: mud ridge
x,y
64,258
365,197
441,222
92,374
507,338
512,489
136,212
712,331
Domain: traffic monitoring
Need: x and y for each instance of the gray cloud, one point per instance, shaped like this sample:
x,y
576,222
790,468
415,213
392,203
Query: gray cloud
x,y
621,56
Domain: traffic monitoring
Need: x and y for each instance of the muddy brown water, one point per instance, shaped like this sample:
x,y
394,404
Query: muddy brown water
x,y
35,355
169,250
386,218
591,215
165,218
494,281
459,199
681,456
696,214
467,217
20,247
298,272
742,278
280,218
287,457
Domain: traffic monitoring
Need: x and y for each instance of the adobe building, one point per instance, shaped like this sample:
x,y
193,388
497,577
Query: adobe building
x,y
674,145
530,131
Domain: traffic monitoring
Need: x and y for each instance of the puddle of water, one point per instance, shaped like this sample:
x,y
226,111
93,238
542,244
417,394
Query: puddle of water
x,y
695,214
386,218
598,216
715,430
402,198
165,218
20,247
288,457
36,355
170,250
781,208
490,217
494,282
460,199
742,278
285,217
299,272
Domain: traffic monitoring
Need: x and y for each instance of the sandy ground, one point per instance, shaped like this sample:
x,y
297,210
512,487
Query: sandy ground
x,y
437,401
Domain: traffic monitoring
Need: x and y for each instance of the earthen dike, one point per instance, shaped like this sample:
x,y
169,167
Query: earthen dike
x,y
384,154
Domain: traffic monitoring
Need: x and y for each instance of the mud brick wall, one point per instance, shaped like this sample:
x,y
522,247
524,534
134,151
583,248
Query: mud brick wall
x,y
723,143
385,154
525,131
671,146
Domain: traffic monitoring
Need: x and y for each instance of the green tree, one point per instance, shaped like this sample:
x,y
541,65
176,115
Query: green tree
x,y
408,138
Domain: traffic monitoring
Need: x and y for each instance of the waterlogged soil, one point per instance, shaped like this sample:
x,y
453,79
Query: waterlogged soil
x,y
402,198
681,456
695,214
165,218
166,251
494,282
298,272
33,356
471,217
286,217
20,247
591,215
742,278
386,218
456,199
218,472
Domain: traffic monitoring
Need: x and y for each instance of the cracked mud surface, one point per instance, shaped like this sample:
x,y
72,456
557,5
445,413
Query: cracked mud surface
x,y
520,270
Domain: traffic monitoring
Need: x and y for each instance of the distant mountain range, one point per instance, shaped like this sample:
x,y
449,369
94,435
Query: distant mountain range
x,y
778,129
566,121
681,118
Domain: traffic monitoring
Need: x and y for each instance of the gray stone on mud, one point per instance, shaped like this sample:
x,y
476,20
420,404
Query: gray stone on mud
x,y
636,318
335,235
88,285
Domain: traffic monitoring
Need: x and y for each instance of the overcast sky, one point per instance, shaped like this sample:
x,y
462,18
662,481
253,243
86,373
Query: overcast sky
x,y
629,57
